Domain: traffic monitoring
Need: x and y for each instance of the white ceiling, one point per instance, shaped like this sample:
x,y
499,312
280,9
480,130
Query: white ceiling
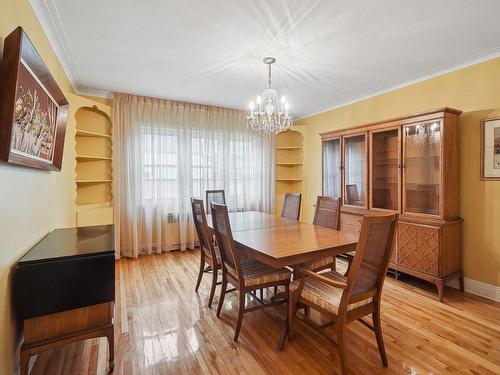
x,y
329,52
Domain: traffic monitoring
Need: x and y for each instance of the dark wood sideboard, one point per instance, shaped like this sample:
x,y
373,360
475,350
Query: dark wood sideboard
x,y
64,290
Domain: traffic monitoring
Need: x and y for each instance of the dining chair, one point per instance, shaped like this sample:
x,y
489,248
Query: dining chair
x,y
291,206
326,214
352,194
216,196
346,299
210,260
246,274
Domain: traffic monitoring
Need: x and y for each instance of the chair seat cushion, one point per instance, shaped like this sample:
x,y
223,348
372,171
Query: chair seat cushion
x,y
325,296
257,273
319,264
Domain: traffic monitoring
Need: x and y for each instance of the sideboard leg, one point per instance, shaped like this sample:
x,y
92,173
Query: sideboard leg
x,y
461,282
111,342
25,362
440,288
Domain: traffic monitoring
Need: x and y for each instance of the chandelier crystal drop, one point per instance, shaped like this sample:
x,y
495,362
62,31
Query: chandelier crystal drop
x,y
268,114
424,134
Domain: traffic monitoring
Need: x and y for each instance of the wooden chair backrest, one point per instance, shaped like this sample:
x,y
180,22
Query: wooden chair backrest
x,y
291,206
200,223
224,236
327,213
373,253
215,196
352,193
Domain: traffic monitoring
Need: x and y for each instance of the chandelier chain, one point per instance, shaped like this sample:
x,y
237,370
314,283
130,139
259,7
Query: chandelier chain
x,y
269,82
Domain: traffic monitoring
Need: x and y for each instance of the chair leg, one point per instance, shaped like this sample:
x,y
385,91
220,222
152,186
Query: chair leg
x,y
341,345
202,268
222,294
241,310
349,262
275,289
214,285
378,334
307,311
292,310
286,326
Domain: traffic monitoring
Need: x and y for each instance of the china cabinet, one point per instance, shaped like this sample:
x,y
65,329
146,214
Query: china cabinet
x,y
407,165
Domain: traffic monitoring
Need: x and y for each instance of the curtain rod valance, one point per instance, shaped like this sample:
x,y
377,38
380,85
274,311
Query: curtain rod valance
x,y
130,98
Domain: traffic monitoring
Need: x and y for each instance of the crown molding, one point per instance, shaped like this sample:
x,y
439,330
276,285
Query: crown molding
x,y
464,63
48,15
97,93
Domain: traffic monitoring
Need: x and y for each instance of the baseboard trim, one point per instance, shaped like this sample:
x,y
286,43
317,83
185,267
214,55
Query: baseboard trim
x,y
478,288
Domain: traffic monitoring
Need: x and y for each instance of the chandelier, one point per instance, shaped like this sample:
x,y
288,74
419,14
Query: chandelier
x,y
269,115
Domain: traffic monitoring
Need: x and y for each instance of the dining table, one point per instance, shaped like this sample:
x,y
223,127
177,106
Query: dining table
x,y
279,242
282,242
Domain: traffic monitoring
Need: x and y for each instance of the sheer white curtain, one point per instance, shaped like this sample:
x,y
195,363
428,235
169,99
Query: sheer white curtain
x,y
166,152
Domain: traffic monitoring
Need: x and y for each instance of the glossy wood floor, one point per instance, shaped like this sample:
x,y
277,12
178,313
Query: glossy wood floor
x,y
164,327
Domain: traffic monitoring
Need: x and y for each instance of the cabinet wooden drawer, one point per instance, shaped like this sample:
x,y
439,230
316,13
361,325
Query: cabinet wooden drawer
x,y
418,247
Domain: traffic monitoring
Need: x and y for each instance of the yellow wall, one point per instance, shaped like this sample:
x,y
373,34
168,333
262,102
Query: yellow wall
x,y
32,202
474,90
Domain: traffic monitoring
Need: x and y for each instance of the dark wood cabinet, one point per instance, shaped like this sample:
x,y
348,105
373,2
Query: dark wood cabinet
x,y
409,166
64,290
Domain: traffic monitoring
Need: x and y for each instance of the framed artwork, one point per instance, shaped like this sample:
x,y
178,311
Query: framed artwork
x,y
490,149
33,109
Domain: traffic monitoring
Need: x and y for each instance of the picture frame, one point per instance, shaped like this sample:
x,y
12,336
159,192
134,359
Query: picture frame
x,y
33,109
490,149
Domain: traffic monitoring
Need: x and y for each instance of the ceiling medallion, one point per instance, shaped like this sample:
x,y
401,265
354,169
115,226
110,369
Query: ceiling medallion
x,y
269,115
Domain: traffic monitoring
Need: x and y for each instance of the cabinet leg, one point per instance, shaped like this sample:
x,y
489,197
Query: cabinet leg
x,y
440,288
25,362
111,343
461,282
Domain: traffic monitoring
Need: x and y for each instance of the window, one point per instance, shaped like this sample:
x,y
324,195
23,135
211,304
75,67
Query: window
x,y
213,162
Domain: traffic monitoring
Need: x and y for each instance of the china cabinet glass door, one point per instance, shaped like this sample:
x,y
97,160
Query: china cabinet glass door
x,y
422,168
331,168
385,162
355,170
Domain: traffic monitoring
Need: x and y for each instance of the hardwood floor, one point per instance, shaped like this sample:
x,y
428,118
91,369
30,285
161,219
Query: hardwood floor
x,y
163,327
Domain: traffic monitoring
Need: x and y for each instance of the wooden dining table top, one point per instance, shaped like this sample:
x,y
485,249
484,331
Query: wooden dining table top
x,y
280,242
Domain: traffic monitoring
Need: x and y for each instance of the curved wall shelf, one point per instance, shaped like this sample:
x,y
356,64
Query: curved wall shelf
x,y
93,167
289,164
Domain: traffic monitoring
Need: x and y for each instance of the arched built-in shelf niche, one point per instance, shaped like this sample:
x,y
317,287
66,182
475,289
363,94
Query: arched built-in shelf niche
x,y
289,165
93,158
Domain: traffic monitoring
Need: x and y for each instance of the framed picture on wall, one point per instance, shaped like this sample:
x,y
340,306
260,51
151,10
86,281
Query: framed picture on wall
x,y
33,109
490,149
